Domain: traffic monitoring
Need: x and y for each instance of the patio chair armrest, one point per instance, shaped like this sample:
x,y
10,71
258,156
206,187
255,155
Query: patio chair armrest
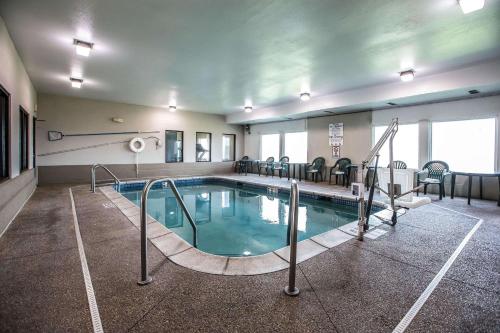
x,y
423,173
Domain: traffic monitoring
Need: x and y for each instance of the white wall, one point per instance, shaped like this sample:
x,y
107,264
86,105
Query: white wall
x,y
13,77
76,115
15,80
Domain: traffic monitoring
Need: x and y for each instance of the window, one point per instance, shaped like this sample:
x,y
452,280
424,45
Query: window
x,y
34,142
270,146
4,133
296,147
467,146
23,139
174,144
228,147
203,147
405,145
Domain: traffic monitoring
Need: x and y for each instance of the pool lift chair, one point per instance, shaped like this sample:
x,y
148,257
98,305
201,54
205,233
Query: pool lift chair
x,y
396,207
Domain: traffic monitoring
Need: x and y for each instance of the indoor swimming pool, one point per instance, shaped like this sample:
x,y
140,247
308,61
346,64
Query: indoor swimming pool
x,y
238,219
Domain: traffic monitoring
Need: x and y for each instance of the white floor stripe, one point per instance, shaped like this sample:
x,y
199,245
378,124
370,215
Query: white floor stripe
x,y
407,319
94,311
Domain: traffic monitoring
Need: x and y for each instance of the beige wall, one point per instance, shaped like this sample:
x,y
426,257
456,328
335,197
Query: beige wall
x,y
75,115
357,136
13,77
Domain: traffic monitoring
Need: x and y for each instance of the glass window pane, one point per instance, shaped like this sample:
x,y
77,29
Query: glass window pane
x,y
203,147
296,147
467,146
270,146
173,146
405,145
4,132
228,147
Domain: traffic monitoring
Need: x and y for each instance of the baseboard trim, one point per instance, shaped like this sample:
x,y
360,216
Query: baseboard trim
x,y
18,211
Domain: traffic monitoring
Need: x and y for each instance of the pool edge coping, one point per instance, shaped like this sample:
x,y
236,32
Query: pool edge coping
x,y
176,249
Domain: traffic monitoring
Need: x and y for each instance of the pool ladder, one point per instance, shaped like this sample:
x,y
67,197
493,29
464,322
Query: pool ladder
x,y
145,277
97,166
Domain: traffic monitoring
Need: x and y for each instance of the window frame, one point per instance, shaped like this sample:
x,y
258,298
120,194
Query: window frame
x,y
484,117
280,146
182,157
24,139
209,150
419,148
7,152
234,147
284,152
34,119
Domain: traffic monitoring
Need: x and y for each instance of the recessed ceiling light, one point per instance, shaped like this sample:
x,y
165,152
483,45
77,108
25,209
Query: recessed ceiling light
x,y
305,96
172,108
83,48
76,83
248,109
469,6
407,76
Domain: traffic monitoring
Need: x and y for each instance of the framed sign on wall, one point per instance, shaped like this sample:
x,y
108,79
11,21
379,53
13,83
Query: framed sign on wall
x,y
336,134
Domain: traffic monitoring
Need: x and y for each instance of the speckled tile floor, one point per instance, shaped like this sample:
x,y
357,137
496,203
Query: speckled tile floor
x,y
355,287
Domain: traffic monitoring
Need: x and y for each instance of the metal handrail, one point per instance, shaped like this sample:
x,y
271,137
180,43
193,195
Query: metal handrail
x,y
96,166
293,213
145,278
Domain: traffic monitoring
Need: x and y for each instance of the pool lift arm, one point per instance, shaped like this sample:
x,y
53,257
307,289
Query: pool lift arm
x,y
358,188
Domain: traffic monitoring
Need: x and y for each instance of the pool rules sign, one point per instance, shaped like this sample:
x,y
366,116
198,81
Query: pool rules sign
x,y
336,138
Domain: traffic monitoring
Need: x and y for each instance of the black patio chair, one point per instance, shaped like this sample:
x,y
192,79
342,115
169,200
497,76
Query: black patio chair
x,y
268,165
242,164
340,169
398,165
315,169
282,166
433,173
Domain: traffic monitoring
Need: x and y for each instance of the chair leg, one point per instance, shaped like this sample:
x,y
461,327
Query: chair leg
x,y
440,191
425,189
330,179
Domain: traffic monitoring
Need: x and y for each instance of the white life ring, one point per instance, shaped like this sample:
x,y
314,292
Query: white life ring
x,y
137,145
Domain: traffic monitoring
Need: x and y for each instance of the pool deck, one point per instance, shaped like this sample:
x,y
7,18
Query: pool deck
x,y
356,286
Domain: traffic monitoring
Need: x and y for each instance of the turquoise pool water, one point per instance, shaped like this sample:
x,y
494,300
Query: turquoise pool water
x,y
235,221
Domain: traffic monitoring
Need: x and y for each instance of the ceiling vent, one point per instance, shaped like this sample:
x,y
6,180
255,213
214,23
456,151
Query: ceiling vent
x,y
473,91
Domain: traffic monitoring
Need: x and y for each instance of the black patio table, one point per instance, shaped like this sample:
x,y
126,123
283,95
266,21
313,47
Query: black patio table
x,y
454,175
290,164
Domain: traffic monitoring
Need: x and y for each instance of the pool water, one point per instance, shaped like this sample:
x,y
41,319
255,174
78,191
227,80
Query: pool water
x,y
235,221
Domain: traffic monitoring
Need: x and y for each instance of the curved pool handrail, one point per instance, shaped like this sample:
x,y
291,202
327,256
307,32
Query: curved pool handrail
x,y
145,278
94,168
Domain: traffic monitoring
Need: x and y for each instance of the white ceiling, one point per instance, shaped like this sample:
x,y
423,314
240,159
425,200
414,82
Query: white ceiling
x,y
212,56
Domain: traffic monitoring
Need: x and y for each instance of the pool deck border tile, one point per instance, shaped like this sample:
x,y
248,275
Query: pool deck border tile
x,y
184,254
